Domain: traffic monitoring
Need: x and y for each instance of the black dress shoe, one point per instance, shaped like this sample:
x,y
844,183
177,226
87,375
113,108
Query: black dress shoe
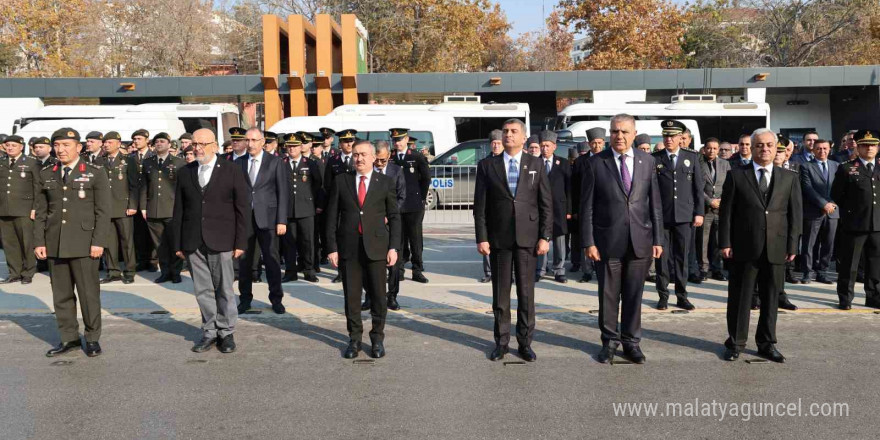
x,y
787,305
844,307
719,276
684,304
257,279
244,306
338,279
607,353
486,279
771,354
310,277
805,280
351,352
176,279
789,278
560,279
26,280
730,354
204,344
278,308
499,352
317,269
127,280
662,304
93,349
756,303
392,303
586,278
367,305
651,279
163,279
634,354
419,278
823,279
378,350
872,304
64,347
289,276
227,344
575,268
152,268
10,280
527,354
695,279
537,278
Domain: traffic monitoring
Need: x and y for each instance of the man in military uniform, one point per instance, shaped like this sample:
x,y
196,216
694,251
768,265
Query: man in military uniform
x,y
271,145
143,246
681,183
20,180
418,178
307,141
320,157
185,140
158,177
339,164
856,191
122,173
94,144
71,227
306,198
42,151
326,148
785,149
239,143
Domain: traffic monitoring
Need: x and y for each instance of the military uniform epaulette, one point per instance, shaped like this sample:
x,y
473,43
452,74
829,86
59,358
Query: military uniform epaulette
x,y
848,162
788,170
691,150
47,166
95,166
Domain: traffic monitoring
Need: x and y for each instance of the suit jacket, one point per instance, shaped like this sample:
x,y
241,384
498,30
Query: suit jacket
x,y
800,157
306,193
857,199
216,216
344,214
418,177
577,171
560,189
712,188
122,172
736,161
611,220
21,185
335,166
157,184
270,193
750,225
510,221
681,188
816,190
395,172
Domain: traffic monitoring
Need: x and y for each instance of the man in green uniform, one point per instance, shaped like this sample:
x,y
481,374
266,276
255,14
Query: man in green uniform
x,y
158,179
19,183
71,226
122,173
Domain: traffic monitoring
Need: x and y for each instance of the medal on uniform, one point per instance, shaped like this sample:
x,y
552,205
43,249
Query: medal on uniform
x,y
305,178
23,175
120,175
412,170
82,192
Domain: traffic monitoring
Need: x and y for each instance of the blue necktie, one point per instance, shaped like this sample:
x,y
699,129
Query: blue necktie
x,y
512,176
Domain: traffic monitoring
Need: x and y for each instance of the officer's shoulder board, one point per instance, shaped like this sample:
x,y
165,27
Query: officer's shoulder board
x,y
94,166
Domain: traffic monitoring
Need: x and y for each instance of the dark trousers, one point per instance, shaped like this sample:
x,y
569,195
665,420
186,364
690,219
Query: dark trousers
x,y
852,245
621,284
160,235
17,235
522,262
143,245
81,274
120,234
412,235
743,276
318,240
817,245
299,240
394,275
675,253
710,254
267,239
359,274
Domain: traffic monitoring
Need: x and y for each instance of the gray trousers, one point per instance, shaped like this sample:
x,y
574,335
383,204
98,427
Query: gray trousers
x,y
817,245
212,281
557,247
710,254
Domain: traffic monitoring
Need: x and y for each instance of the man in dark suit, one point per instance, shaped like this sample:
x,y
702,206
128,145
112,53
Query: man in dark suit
x,y
714,170
384,166
363,229
267,180
744,156
595,144
622,225
559,177
339,164
418,177
496,148
806,154
305,198
209,229
820,212
855,192
513,215
759,226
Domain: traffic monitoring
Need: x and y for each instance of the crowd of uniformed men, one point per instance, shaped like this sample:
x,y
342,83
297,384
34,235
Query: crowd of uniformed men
x,y
101,201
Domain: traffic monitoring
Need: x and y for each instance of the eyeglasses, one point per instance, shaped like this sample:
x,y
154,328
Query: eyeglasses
x,y
254,141
381,160
202,145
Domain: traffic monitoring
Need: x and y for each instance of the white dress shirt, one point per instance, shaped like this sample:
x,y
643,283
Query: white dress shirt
x,y
517,158
677,156
629,162
769,172
357,181
207,171
255,161
865,162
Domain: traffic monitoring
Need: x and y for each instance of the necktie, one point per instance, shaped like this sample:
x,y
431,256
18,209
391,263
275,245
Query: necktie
x,y
762,183
512,176
712,169
252,173
870,168
672,158
203,175
161,161
824,171
11,163
624,175
400,157
362,195
66,173
347,161
547,166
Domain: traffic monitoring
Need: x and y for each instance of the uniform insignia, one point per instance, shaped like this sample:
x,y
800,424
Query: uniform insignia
x,y
659,166
687,162
557,161
70,133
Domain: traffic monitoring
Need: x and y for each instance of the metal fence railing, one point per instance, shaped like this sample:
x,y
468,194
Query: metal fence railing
x,y
451,195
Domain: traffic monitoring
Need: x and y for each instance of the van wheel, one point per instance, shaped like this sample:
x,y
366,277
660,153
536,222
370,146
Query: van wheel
x,y
431,200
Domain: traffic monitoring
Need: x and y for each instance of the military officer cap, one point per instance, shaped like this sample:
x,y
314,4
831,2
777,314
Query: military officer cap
x,y
595,133
780,147
782,142
318,138
95,135
270,136
15,138
346,135
3,137
495,135
141,132
112,136
31,141
237,133
547,136
867,137
533,139
293,139
65,133
671,127
304,136
162,135
186,136
42,140
412,141
397,133
642,139
327,132
583,147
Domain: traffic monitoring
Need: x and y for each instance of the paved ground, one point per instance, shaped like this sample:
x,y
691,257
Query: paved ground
x,y
289,380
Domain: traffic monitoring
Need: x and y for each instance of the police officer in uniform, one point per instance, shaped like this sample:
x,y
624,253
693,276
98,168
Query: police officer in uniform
x,y
680,181
71,227
122,173
19,185
339,164
143,246
856,191
418,178
157,189
306,196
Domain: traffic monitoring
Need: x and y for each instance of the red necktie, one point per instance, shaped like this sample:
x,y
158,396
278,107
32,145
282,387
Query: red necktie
x,y
362,195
